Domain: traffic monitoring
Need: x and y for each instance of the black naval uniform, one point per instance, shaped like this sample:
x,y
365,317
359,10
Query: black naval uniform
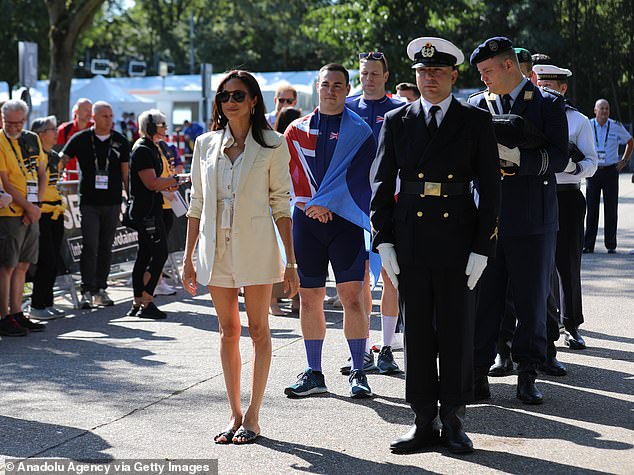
x,y
527,232
434,226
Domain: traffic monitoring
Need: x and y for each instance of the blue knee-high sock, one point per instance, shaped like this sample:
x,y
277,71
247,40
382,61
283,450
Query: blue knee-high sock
x,y
313,353
357,351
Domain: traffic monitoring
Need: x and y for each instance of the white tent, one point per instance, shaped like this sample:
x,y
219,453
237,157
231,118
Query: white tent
x,y
101,89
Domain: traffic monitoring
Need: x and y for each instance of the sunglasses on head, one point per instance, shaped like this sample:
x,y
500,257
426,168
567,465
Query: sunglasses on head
x,y
375,55
238,96
283,100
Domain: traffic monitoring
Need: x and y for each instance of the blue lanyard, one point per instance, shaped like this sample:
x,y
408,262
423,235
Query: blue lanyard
x,y
605,139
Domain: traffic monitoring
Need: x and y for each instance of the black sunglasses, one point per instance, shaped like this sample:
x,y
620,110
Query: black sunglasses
x,y
283,100
238,96
375,55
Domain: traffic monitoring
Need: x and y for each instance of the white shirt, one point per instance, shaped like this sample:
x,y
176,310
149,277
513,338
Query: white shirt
x,y
580,133
440,115
227,174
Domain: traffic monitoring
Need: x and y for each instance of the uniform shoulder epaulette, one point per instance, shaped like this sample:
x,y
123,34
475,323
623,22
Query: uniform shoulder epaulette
x,y
477,93
569,106
552,91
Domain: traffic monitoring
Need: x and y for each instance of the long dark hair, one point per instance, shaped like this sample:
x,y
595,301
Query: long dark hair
x,y
285,117
258,122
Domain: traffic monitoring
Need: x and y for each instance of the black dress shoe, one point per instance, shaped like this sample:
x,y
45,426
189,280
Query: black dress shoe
x,y
553,367
527,392
611,251
503,366
588,250
415,439
574,340
453,434
481,390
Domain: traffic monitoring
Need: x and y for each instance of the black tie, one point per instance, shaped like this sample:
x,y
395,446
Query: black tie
x,y
506,103
432,127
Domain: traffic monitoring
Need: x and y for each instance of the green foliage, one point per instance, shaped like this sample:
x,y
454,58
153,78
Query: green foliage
x,y
17,24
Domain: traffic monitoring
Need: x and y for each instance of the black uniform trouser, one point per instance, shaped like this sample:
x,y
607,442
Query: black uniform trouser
x,y
438,311
572,209
51,234
507,327
605,179
524,264
98,227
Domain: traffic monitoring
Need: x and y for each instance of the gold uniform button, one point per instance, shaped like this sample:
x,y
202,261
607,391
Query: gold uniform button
x,y
446,215
419,214
421,175
450,176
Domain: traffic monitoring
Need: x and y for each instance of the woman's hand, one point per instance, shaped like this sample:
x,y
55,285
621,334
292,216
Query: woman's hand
x,y
291,282
323,215
189,277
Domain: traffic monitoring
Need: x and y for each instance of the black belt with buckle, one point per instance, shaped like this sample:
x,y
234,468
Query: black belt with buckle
x,y
431,188
569,186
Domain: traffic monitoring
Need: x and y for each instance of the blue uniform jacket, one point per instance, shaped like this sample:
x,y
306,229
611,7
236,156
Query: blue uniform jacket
x,y
529,198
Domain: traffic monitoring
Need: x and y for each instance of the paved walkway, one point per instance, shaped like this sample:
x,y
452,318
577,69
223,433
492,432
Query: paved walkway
x,y
102,386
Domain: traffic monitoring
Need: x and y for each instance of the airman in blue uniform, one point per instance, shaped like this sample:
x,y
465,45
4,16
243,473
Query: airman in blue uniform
x,y
528,217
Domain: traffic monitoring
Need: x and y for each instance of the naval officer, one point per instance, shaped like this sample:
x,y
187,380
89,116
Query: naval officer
x,y
433,241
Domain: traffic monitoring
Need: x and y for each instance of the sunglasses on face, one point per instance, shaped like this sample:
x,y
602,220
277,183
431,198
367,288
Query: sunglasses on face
x,y
225,96
375,55
283,100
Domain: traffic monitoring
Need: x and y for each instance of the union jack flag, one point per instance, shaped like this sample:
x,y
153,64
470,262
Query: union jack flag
x,y
334,136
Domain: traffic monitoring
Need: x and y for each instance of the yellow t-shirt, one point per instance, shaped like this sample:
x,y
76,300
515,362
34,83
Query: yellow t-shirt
x,y
165,173
18,172
51,193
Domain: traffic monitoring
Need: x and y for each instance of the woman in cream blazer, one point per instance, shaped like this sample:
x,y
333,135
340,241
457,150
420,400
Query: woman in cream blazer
x,y
240,187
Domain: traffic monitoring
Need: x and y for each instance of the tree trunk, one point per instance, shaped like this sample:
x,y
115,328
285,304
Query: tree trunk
x,y
67,20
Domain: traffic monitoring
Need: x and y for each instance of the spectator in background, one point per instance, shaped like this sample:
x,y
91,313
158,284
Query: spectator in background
x,y
407,91
285,117
82,119
23,176
191,131
51,225
608,135
526,64
103,156
285,96
146,212
132,128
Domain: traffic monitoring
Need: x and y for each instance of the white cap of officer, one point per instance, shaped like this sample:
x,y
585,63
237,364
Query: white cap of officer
x,y
433,52
550,71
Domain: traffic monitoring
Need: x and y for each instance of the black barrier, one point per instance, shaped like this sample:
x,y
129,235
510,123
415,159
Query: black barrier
x,y
125,245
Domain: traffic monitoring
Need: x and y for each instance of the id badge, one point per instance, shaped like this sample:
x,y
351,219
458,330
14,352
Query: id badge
x,y
101,181
31,191
601,155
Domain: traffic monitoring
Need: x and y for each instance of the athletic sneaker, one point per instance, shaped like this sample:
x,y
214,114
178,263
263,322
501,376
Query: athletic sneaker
x,y
163,288
385,362
397,343
9,327
103,299
41,314
25,322
86,301
57,312
368,364
152,312
309,382
359,386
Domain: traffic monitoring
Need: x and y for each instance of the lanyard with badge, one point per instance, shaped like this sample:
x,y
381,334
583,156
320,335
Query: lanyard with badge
x,y
27,171
101,175
601,153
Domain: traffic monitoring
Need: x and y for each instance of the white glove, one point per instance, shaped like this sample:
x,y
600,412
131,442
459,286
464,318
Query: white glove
x,y
509,154
389,261
475,267
571,167
5,199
